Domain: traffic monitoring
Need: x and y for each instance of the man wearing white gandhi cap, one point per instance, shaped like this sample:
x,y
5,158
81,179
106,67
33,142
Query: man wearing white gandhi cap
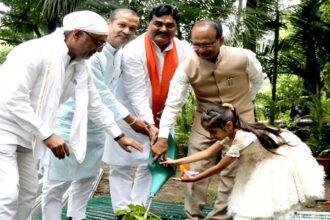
x,y
36,77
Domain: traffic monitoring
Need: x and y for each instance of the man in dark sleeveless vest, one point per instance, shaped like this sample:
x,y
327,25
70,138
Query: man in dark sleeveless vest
x,y
218,74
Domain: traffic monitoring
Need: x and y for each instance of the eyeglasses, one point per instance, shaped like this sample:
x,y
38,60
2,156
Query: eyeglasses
x,y
205,46
99,43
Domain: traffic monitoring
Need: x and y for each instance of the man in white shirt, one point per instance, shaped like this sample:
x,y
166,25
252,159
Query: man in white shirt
x,y
36,77
61,174
143,58
218,74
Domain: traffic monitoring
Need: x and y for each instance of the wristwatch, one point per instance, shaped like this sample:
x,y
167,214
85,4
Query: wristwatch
x,y
119,137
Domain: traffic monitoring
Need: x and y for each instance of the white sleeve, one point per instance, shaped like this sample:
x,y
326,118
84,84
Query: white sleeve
x,y
107,96
22,72
177,95
134,78
186,50
245,139
255,74
99,113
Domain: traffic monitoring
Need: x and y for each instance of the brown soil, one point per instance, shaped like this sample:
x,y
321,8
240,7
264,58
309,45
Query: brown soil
x,y
173,191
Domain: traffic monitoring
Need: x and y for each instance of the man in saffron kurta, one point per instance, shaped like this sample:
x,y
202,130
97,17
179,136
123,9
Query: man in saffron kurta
x,y
218,74
36,77
148,64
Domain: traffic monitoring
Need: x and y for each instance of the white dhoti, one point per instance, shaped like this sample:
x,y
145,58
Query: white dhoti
x,y
121,182
125,187
52,194
18,189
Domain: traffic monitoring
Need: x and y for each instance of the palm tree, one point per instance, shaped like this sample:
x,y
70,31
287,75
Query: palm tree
x,y
309,49
55,9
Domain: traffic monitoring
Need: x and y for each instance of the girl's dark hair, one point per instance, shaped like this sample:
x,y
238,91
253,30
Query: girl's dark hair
x,y
165,9
218,116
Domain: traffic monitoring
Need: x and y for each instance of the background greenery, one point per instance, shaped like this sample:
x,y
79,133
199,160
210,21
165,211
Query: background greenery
x,y
290,41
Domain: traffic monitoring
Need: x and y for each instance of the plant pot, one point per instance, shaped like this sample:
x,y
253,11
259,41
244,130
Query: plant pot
x,y
325,162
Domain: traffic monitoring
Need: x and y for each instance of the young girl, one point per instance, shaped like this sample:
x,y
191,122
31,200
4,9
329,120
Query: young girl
x,y
276,169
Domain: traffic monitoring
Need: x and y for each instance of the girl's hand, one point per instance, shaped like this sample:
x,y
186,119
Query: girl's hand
x,y
187,177
169,161
228,105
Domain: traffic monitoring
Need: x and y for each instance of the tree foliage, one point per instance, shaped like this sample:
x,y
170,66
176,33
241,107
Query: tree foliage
x,y
303,50
54,10
22,22
34,18
306,48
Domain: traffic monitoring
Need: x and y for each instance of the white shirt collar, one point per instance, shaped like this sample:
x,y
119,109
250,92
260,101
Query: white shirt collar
x,y
169,47
109,48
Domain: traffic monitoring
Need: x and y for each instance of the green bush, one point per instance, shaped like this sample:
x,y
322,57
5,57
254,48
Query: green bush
x,y
289,87
4,50
183,125
319,130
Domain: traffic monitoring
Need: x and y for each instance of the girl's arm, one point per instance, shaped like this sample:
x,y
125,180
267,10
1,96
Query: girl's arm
x,y
241,141
213,149
223,163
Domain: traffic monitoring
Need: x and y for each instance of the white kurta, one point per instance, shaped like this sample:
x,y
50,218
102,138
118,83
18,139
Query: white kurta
x,y
134,92
180,86
22,83
106,71
62,174
21,77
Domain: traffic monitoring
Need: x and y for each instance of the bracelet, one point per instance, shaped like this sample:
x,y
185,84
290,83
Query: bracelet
x,y
119,137
135,118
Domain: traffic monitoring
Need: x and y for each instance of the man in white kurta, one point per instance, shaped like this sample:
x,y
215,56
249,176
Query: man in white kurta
x,y
35,78
134,91
217,74
62,174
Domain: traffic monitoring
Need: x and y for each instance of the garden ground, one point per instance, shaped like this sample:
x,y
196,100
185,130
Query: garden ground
x,y
173,191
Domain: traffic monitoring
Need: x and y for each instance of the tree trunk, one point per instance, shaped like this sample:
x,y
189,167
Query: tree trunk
x,y
51,24
274,76
312,80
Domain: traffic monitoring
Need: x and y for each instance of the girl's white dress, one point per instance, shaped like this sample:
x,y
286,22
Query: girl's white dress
x,y
269,184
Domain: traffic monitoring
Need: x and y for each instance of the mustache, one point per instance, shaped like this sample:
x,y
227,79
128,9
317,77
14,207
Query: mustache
x,y
162,33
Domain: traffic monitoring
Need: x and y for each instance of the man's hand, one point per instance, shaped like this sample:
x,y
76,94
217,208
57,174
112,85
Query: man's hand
x,y
126,142
57,145
159,148
153,134
141,126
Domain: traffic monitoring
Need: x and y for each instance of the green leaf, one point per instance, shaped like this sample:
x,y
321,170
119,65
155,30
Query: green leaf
x,y
121,212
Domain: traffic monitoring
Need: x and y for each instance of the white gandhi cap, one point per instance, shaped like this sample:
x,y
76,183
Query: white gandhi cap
x,y
86,21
